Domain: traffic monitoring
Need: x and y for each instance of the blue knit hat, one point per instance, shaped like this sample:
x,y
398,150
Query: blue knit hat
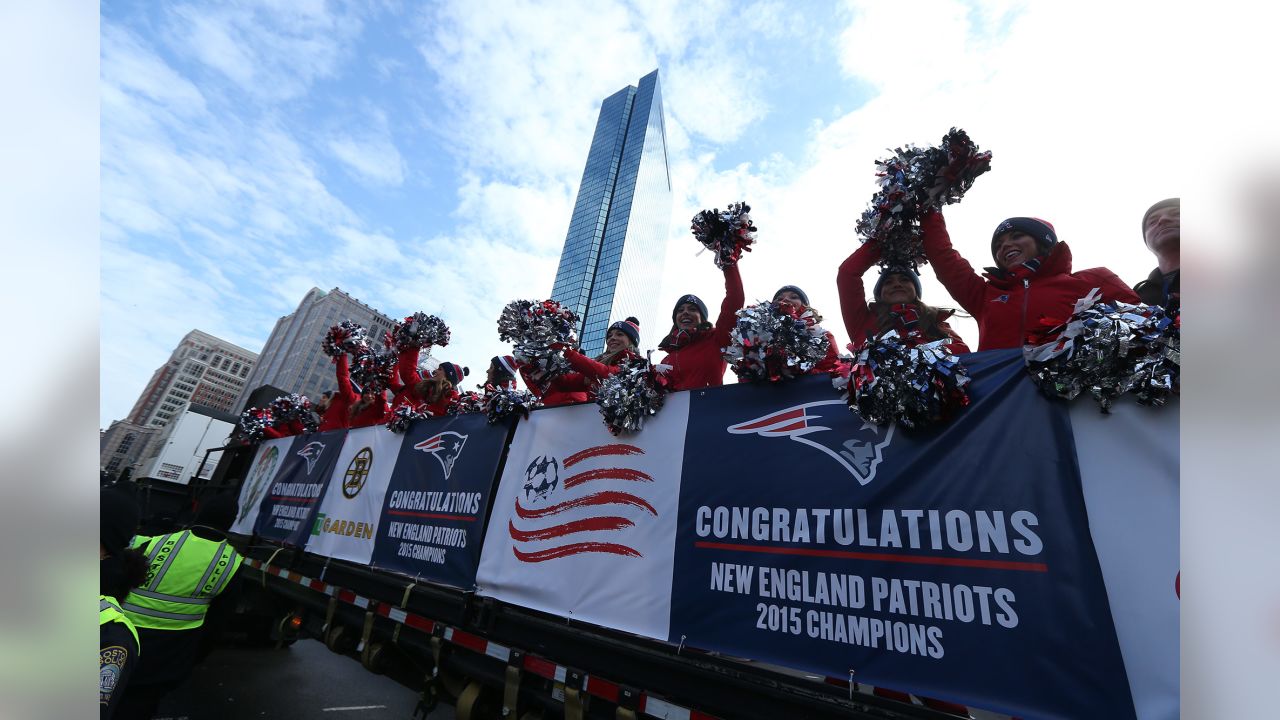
x,y
690,298
631,328
908,273
804,297
1041,230
454,372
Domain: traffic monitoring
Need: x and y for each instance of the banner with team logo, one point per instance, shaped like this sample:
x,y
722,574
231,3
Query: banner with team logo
x,y
289,504
434,509
347,520
254,489
584,523
955,563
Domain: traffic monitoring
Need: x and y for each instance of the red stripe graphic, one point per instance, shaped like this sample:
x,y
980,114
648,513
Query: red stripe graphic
x,y
599,450
883,557
608,497
771,420
606,474
574,549
569,528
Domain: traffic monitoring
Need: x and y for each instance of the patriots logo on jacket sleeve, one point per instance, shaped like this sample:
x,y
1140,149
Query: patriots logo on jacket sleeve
x,y
446,447
859,451
311,452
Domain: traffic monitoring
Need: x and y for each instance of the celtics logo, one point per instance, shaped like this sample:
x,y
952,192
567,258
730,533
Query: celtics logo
x,y
357,472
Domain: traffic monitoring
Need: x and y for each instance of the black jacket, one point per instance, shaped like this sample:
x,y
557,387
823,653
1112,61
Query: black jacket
x,y
1152,289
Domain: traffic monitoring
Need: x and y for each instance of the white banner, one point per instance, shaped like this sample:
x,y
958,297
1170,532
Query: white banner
x,y
584,523
265,464
347,522
1129,471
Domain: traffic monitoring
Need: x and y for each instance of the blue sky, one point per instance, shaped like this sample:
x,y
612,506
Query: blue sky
x,y
425,156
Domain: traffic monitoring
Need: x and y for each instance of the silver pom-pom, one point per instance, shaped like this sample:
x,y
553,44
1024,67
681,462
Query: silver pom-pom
x,y
1108,349
345,337
372,369
466,403
637,391
502,403
775,342
536,329
727,234
287,408
914,385
254,422
402,417
420,330
912,182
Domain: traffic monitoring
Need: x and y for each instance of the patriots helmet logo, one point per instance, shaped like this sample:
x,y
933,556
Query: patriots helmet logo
x,y
810,424
446,446
311,452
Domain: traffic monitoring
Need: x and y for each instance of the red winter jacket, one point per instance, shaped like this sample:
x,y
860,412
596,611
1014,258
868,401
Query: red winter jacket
x,y
289,429
700,363
593,371
407,369
860,317
375,413
828,363
1009,303
335,416
563,390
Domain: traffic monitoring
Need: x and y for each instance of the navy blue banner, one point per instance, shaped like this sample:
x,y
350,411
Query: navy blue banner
x,y
289,506
432,521
954,563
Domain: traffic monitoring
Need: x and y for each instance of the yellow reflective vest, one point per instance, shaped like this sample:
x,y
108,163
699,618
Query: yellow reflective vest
x,y
109,611
185,574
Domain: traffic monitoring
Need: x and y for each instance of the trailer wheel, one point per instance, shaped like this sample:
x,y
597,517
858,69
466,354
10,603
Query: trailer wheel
x,y
477,702
339,641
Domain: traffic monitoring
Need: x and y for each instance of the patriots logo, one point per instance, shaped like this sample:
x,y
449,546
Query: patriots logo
x,y
1000,299
311,452
446,446
860,455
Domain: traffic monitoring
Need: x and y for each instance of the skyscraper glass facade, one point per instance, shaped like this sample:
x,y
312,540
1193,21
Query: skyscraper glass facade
x,y
612,260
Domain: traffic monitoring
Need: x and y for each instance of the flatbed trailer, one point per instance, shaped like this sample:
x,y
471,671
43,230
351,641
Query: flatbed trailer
x,y
491,659
1054,542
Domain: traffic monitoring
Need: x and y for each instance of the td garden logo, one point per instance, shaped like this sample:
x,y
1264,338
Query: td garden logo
x,y
357,473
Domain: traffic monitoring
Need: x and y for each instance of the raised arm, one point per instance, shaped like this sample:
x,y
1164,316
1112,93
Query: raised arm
x,y
407,367
853,295
587,367
343,372
734,297
954,272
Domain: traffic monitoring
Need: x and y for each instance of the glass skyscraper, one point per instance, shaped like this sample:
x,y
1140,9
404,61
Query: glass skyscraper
x,y
611,266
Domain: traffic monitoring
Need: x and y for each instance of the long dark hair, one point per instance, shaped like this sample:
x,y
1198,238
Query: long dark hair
x,y
432,388
930,318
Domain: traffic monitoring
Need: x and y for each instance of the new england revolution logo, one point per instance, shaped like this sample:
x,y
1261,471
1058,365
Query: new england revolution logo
x,y
810,424
589,511
446,447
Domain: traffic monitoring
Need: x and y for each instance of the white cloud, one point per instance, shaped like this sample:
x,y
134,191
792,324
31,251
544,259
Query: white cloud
x,y
372,158
269,49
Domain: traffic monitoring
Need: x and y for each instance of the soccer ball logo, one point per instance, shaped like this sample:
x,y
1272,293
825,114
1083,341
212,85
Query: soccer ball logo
x,y
541,477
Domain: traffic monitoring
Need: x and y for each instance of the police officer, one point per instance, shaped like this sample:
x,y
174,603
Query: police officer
x,y
187,571
121,569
